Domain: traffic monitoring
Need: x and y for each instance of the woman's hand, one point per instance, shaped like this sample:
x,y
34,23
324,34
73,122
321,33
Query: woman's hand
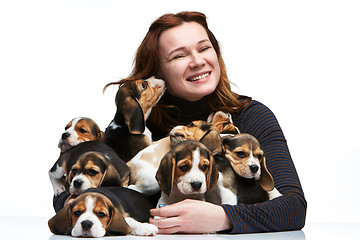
x,y
190,216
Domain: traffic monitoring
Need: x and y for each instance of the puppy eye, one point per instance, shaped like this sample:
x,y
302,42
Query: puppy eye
x,y
143,86
82,130
191,125
74,171
101,214
77,213
184,168
240,154
204,168
92,172
259,156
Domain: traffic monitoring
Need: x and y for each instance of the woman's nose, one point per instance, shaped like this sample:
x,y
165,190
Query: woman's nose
x,y
196,60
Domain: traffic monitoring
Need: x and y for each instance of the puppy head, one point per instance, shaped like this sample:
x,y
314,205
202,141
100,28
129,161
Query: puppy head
x,y
79,130
90,215
92,170
201,131
134,101
223,122
247,159
190,167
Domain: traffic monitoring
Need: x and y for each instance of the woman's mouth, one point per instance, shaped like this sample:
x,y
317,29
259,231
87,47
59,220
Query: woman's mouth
x,y
198,77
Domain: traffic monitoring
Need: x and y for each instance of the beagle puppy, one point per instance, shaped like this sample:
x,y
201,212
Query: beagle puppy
x,y
244,170
223,122
105,211
144,165
186,171
89,164
79,130
127,133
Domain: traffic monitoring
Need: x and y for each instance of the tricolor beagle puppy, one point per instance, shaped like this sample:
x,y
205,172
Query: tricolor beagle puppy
x,y
243,176
79,130
144,165
89,164
223,122
186,171
127,133
105,211
245,173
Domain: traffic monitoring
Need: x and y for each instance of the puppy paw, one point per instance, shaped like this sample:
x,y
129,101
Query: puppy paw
x,y
145,229
58,190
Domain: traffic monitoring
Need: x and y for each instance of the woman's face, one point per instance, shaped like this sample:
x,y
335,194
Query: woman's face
x,y
188,61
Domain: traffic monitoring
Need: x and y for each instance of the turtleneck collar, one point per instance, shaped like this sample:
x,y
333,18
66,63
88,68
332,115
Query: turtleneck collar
x,y
186,111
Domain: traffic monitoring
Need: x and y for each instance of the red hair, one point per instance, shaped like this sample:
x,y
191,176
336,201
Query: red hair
x,y
147,64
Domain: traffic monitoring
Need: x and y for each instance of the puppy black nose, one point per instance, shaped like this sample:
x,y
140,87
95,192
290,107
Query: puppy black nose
x,y
254,168
78,183
65,136
196,185
86,224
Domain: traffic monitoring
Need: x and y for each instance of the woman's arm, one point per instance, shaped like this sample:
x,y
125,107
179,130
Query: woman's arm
x,y
280,214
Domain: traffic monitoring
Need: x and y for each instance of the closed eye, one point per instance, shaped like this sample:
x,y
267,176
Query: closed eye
x,y
178,56
203,49
82,130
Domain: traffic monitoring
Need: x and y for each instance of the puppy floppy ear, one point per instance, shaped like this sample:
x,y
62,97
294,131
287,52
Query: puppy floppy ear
x,y
266,180
111,176
61,223
117,224
133,116
166,172
100,136
212,140
212,175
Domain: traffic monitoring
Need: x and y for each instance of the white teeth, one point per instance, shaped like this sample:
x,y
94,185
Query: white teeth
x,y
199,77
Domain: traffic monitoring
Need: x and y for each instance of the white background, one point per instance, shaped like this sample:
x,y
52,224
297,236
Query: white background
x,y
300,58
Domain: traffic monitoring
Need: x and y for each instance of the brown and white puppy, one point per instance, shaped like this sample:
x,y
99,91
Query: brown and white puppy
x,y
89,164
245,173
79,130
186,171
127,133
105,211
144,165
223,122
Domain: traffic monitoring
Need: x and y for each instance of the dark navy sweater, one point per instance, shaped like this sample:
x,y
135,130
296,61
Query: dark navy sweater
x,y
280,214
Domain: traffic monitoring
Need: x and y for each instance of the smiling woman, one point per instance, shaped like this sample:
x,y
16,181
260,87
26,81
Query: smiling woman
x,y
189,62
180,49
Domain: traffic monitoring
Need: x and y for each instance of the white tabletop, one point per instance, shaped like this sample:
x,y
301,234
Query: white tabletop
x,y
36,228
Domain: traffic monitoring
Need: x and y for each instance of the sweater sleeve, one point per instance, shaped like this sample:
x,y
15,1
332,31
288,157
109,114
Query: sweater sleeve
x,y
280,214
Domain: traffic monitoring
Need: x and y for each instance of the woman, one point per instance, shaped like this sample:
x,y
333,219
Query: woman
x,y
180,49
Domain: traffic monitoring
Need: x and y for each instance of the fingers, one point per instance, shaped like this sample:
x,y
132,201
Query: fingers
x,y
168,211
166,219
